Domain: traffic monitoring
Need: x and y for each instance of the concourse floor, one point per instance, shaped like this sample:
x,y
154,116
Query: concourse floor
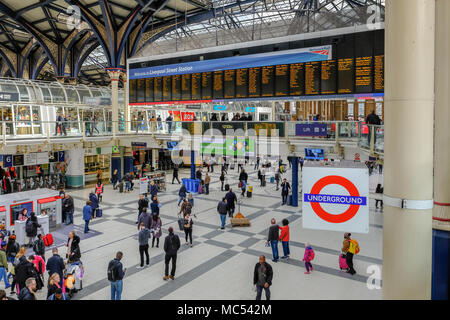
x,y
220,264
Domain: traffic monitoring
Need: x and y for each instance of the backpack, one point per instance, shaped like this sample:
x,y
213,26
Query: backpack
x,y
173,245
112,266
353,247
188,208
29,226
311,255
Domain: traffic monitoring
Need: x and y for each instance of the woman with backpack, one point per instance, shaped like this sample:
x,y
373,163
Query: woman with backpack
x,y
31,227
350,247
284,238
308,257
39,247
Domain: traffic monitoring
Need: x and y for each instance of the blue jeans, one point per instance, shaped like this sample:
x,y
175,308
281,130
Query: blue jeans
x,y
69,217
86,226
274,245
207,188
286,250
116,289
181,199
4,277
223,219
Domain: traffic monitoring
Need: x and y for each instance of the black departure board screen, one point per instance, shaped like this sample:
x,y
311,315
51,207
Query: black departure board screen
x,y
207,85
378,80
282,80
345,75
297,79
149,89
186,87
176,87
218,85
241,83
312,78
363,75
167,88
157,89
328,77
132,88
141,90
229,84
196,86
254,82
267,81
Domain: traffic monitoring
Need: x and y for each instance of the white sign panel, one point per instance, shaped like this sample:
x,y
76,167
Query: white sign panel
x,y
143,185
29,159
336,199
41,157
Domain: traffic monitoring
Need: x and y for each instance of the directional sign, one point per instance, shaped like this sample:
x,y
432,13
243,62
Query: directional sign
x,y
336,199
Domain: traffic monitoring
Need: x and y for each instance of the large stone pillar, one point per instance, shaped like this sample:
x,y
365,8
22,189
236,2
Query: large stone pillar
x,y
408,176
126,107
441,209
75,168
114,75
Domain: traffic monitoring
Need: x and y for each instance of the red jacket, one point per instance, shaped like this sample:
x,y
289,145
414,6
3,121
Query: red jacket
x,y
284,235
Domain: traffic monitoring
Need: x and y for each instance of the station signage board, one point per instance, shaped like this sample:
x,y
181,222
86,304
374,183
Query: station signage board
x,y
29,159
9,96
311,129
336,198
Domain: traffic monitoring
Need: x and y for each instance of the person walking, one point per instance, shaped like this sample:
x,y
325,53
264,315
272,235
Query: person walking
x,y
24,269
308,257
154,206
272,239
31,227
277,179
39,246
143,236
262,278
88,214
28,292
258,159
73,247
169,123
207,182
350,248
144,218
157,232
142,203
175,174
67,209
371,120
182,193
284,238
116,272
231,200
188,222
99,190
243,177
56,265
115,179
222,210
222,180
153,190
285,187
379,196
171,247
4,267
59,120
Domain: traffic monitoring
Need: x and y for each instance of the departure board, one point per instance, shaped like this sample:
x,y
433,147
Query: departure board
x,y
149,90
157,89
267,81
132,88
228,84
379,73
167,88
297,79
363,75
312,78
141,90
218,85
281,80
176,87
254,82
186,87
345,75
328,77
196,86
207,85
241,83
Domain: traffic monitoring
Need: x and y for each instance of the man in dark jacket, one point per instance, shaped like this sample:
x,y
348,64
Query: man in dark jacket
x,y
198,174
56,265
67,209
39,246
262,278
153,190
285,187
31,227
372,119
175,174
119,273
28,292
24,270
231,199
145,218
182,193
273,239
73,247
142,203
94,202
243,177
222,209
171,246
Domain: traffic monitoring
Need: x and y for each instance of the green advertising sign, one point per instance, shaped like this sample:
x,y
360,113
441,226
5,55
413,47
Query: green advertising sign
x,y
228,147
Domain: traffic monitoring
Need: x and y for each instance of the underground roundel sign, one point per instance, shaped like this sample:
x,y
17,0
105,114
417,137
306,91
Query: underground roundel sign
x,y
336,198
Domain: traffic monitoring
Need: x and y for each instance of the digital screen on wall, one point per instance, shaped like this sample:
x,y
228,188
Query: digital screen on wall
x,y
328,77
141,90
186,87
196,86
345,76
157,89
312,78
167,88
228,146
314,154
297,79
207,85
379,73
363,75
218,85
229,78
149,89
132,89
267,81
241,83
281,80
176,87
254,82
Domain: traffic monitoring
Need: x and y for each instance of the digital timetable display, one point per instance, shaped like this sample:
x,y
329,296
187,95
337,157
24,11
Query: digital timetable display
x,y
262,75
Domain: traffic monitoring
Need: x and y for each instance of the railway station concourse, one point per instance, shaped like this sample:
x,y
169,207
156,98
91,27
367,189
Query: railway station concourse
x,y
345,99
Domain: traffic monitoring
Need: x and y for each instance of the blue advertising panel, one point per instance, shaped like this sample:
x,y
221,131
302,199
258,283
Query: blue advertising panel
x,y
311,129
249,61
7,160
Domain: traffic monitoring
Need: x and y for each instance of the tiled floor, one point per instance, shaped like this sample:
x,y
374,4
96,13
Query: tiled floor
x,y
220,264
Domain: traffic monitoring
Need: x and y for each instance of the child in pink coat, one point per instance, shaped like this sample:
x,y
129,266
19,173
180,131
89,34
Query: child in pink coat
x,y
308,257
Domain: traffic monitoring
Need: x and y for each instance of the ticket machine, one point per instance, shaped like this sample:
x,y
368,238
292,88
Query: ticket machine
x,y
50,207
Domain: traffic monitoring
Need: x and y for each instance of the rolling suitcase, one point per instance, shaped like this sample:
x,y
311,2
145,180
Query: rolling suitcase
x,y
343,262
289,200
98,213
48,240
227,187
181,223
249,194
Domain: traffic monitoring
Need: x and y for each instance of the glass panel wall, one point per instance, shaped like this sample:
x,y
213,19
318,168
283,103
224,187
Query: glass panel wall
x,y
23,120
